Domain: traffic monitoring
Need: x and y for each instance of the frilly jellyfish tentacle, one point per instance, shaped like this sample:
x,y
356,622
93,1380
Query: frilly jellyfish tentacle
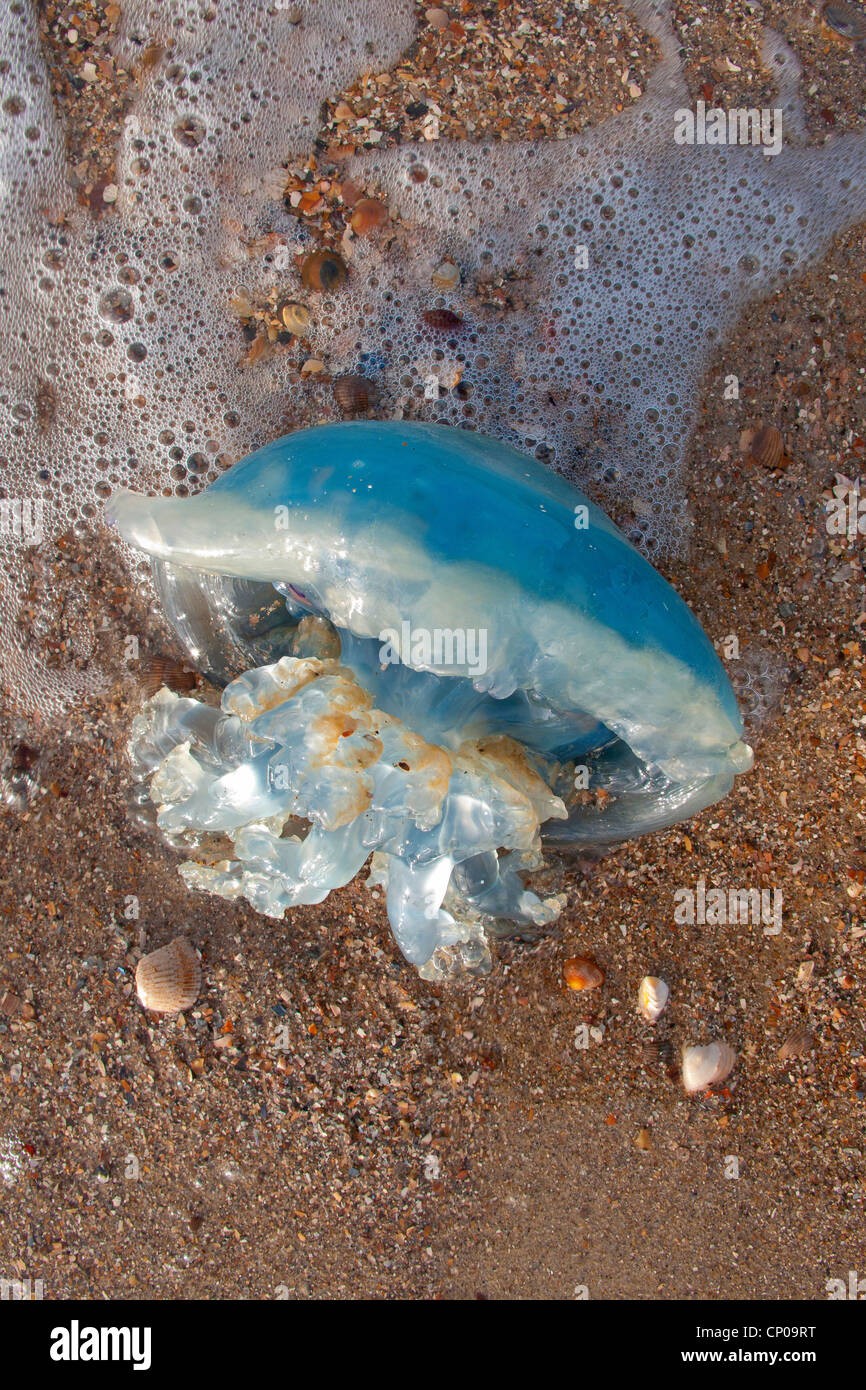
x,y
439,633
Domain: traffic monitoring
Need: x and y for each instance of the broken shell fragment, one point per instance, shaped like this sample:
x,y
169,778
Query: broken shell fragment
x,y
324,271
168,980
15,1007
767,447
353,394
446,276
707,1066
658,1053
579,972
368,215
652,997
350,191
296,317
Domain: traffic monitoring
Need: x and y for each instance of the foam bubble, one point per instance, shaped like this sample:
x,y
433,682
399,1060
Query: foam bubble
x,y
120,355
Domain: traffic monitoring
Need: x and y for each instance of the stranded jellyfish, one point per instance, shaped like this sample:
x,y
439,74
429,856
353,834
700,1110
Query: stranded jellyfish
x,y
433,651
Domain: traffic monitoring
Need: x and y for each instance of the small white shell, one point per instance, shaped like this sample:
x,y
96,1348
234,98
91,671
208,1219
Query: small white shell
x,y
168,980
652,997
706,1066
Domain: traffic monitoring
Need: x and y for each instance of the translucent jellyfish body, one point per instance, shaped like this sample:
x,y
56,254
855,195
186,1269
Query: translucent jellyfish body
x,y
434,651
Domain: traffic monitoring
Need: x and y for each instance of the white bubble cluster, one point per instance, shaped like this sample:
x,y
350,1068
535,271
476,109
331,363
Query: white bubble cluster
x,y
631,256
119,357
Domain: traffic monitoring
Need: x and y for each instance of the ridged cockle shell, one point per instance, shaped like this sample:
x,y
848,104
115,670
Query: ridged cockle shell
x,y
767,447
168,980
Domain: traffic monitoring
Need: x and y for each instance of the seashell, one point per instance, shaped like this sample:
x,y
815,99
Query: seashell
x,y
845,20
652,997
580,972
350,191
658,1053
444,319
368,215
168,980
164,670
706,1066
446,276
354,394
644,1140
296,317
799,1043
767,447
324,271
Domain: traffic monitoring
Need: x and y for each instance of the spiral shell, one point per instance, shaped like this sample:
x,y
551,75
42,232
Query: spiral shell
x,y
707,1066
168,980
652,997
580,972
324,271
